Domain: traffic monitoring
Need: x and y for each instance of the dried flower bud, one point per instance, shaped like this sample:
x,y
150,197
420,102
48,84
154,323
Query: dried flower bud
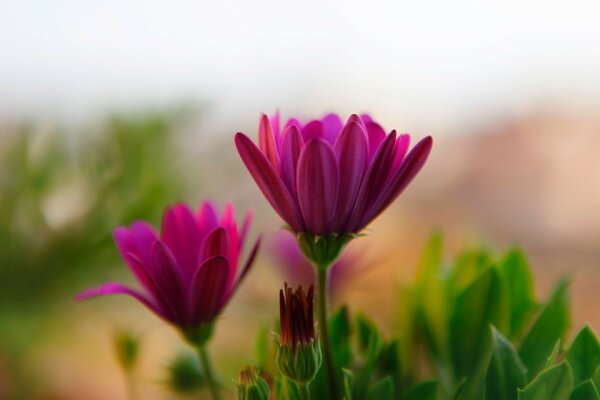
x,y
251,385
298,349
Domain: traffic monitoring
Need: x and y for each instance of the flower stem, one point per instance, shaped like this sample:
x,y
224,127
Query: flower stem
x,y
303,391
206,367
322,272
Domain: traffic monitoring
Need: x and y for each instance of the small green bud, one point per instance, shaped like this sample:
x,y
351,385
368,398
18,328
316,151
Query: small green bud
x,y
323,250
299,365
251,385
184,373
126,349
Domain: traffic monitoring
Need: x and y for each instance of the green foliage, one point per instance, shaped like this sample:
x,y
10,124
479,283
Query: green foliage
x,y
584,355
184,374
506,373
555,383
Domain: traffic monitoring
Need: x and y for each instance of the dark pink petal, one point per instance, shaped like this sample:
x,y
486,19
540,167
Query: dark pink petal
x,y
267,143
366,117
317,181
207,218
312,130
275,125
167,275
269,182
400,149
376,136
232,240
245,228
117,288
332,126
249,262
215,244
398,182
137,239
290,153
352,152
375,176
209,289
293,122
181,234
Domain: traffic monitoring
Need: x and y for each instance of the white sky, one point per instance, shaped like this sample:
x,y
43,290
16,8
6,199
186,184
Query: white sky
x,y
437,61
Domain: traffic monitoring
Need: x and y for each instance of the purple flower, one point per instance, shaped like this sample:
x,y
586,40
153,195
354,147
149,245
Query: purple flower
x,y
324,177
188,273
296,317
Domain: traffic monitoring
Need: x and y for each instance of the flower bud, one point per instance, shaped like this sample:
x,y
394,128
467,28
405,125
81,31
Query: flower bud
x,y
323,250
251,385
299,354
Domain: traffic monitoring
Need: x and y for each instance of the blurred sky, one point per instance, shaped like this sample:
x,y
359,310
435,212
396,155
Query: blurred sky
x,y
446,63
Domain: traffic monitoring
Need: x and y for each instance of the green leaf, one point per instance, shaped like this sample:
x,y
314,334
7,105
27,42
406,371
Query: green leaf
x,y
553,357
596,377
389,363
584,354
521,291
369,341
552,324
427,390
341,330
481,304
555,383
431,298
586,390
469,265
384,389
348,384
506,372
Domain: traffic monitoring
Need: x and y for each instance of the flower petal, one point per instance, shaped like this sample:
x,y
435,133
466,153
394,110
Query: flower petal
x,y
267,143
372,182
137,239
249,262
317,182
209,289
352,151
117,288
215,244
290,153
376,136
332,126
312,130
207,218
269,182
181,234
167,275
399,181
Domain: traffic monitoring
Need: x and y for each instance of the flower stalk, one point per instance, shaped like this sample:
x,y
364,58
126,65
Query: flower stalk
x,y
323,275
208,372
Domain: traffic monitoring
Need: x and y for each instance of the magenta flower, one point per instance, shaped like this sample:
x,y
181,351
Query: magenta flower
x,y
324,177
188,273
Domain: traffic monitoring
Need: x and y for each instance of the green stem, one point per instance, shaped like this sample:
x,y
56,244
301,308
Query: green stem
x,y
322,272
208,374
303,391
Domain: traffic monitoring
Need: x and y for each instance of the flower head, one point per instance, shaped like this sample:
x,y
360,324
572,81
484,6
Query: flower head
x,y
324,177
299,354
190,271
251,386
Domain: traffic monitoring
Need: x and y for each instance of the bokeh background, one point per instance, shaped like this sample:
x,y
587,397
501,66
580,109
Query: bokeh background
x,y
111,110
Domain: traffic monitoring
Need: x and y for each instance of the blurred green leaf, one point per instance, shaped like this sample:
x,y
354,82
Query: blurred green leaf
x,y
427,390
384,389
481,304
553,357
521,292
184,373
584,355
506,372
551,324
348,384
555,383
586,390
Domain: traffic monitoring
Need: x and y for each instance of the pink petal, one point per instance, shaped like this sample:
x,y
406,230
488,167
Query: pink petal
x,y
267,143
332,126
352,152
269,182
209,289
232,240
312,130
290,153
317,182
215,244
181,234
245,228
117,288
137,239
376,136
249,262
167,275
399,181
207,218
372,182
